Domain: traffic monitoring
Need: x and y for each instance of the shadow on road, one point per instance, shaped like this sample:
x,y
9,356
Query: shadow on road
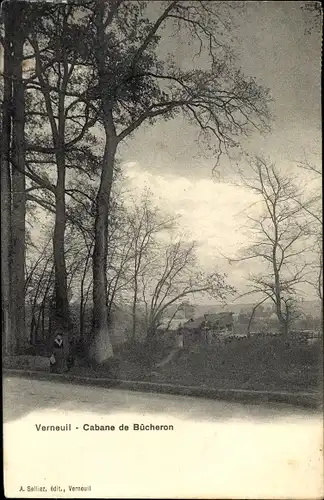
x,y
23,396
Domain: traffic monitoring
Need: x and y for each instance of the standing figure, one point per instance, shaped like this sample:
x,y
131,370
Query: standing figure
x,y
57,357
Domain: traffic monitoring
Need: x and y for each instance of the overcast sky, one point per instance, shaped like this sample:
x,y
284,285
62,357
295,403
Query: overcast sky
x,y
273,47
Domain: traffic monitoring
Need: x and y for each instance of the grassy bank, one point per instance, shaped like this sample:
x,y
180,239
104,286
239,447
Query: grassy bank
x,y
256,364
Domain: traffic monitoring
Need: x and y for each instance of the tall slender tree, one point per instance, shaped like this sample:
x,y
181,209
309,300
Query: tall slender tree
x,y
135,85
62,117
279,232
18,176
5,138
13,178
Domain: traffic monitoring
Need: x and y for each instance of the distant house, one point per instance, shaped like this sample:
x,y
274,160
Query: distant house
x,y
218,325
221,322
193,331
206,329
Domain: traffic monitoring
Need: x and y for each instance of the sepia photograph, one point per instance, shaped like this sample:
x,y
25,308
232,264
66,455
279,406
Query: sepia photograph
x,y
161,249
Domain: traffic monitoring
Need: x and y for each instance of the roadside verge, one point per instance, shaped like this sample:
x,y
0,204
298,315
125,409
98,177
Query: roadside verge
x,y
306,400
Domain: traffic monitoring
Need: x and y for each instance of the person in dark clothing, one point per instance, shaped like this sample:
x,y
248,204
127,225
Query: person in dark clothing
x,y
57,357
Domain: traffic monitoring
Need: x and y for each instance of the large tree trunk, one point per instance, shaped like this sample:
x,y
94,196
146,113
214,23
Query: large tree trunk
x,y
284,328
101,347
61,314
82,296
151,327
18,186
283,321
5,134
61,317
283,324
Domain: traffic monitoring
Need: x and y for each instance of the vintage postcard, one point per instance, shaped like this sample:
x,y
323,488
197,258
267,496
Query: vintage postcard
x,y
161,249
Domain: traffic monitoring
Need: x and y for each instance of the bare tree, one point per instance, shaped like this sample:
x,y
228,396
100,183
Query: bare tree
x,y
5,138
39,290
173,275
61,118
134,86
99,63
279,234
46,103
13,180
145,221
310,167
